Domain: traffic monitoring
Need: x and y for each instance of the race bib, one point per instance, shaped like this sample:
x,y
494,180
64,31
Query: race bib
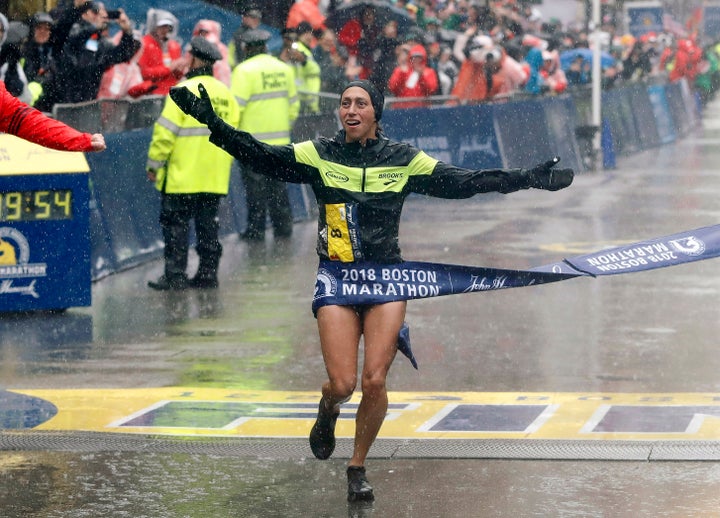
x,y
342,239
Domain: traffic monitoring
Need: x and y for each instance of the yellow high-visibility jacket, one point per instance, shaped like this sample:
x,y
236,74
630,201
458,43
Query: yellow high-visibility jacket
x,y
264,88
180,151
308,82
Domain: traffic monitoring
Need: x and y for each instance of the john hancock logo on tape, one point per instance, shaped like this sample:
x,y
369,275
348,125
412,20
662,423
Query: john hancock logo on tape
x,y
15,266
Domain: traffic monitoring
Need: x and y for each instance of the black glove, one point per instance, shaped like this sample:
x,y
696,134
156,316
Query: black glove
x,y
199,108
545,176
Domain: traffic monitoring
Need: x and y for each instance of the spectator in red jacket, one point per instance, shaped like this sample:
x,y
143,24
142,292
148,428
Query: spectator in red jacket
x,y
17,118
361,36
306,11
413,79
162,63
685,62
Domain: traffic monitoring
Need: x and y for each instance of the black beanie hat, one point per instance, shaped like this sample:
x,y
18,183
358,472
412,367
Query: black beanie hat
x,y
376,97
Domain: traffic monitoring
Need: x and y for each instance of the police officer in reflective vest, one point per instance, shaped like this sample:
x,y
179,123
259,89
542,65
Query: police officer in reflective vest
x,y
265,90
192,174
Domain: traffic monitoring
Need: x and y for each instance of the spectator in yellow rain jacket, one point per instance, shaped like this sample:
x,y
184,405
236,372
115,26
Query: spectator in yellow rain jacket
x,y
192,174
299,56
264,88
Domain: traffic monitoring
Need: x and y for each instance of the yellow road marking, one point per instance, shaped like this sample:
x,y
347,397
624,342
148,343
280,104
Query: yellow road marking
x,y
187,411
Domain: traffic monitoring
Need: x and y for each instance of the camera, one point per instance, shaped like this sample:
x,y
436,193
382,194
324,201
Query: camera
x,y
113,14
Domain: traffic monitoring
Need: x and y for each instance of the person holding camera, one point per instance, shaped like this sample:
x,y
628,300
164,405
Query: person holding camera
x,y
87,54
488,71
162,63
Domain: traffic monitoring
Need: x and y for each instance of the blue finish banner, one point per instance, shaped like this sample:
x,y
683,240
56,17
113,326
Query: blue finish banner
x,y
373,283
561,120
684,247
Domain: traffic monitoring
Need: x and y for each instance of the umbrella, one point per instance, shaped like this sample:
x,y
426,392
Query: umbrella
x,y
568,56
384,12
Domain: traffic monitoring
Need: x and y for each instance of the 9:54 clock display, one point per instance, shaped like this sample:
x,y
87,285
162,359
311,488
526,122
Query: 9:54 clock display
x,y
36,205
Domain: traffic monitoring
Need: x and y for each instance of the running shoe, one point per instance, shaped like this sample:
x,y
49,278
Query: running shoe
x,y
322,435
359,489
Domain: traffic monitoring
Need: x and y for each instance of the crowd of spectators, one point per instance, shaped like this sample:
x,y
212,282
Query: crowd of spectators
x,y
428,51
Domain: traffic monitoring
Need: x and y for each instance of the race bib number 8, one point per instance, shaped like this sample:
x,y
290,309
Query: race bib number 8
x,y
340,221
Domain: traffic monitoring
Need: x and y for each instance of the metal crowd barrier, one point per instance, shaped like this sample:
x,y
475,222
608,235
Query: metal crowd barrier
x,y
111,115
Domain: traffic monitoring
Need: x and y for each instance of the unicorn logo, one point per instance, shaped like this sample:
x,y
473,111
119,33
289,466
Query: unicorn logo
x,y
14,248
15,264
325,284
688,245
7,253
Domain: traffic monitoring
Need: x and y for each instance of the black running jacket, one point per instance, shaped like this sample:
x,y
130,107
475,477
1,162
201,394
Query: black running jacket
x,y
360,190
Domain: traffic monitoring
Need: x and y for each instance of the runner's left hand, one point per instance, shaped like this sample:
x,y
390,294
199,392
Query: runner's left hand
x,y
546,176
198,107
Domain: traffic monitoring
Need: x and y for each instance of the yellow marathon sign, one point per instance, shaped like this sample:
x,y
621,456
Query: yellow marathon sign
x,y
185,411
18,156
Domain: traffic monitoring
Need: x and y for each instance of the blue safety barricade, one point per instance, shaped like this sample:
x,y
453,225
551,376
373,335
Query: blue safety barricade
x,y
460,135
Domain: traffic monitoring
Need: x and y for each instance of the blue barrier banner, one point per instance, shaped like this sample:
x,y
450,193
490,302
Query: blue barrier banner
x,y
678,108
473,129
711,22
642,20
373,283
127,202
103,259
561,121
523,133
461,135
607,146
618,111
661,111
644,115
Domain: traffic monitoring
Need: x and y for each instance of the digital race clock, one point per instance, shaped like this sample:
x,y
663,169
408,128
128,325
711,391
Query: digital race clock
x,y
44,228
36,205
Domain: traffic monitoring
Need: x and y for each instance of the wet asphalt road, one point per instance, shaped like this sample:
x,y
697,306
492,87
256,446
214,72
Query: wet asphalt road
x,y
653,332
